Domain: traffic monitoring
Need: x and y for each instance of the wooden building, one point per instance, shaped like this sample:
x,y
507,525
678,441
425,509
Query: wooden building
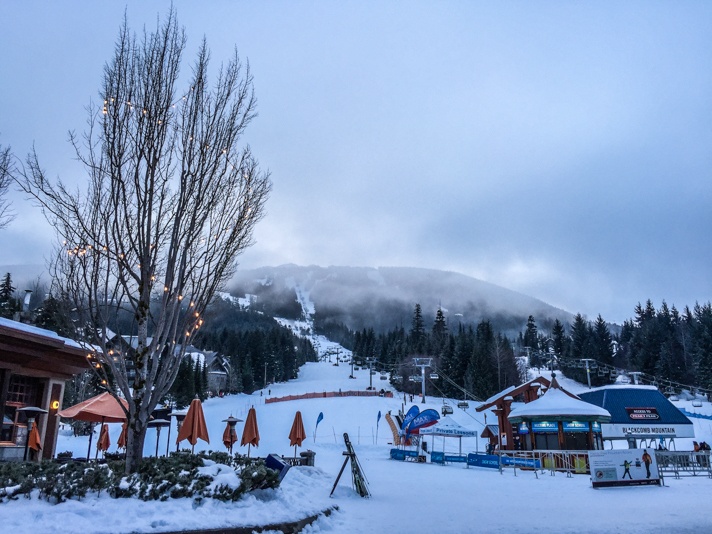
x,y
501,405
34,365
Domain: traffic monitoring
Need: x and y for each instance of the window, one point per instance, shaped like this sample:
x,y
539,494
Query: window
x,y
22,391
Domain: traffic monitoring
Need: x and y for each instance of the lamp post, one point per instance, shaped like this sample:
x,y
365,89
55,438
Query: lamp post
x,y
32,413
180,416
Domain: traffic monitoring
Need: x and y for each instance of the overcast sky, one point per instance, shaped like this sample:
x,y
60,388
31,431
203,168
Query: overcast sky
x,y
560,149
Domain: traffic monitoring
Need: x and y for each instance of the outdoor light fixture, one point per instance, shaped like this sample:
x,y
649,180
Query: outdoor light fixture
x,y
180,416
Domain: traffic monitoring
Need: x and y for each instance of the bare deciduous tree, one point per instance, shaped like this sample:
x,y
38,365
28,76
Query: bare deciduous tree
x,y
6,172
172,200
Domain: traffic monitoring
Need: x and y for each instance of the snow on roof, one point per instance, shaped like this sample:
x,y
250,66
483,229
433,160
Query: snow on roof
x,y
557,402
22,327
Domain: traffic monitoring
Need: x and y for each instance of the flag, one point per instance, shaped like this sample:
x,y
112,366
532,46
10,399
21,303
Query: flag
x,y
378,419
318,420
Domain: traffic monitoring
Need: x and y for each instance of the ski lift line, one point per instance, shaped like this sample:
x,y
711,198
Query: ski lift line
x,y
442,395
643,378
456,385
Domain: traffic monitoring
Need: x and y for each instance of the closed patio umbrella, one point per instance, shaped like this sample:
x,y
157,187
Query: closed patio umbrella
x,y
34,442
230,435
103,443
297,434
251,433
194,427
123,437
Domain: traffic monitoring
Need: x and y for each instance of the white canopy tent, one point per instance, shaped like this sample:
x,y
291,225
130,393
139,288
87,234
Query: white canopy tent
x,y
449,428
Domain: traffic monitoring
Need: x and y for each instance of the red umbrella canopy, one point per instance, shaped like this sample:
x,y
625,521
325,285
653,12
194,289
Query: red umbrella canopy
x,y
251,434
297,434
104,442
100,409
194,427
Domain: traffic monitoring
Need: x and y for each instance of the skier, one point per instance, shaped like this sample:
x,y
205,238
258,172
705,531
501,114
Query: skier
x,y
626,464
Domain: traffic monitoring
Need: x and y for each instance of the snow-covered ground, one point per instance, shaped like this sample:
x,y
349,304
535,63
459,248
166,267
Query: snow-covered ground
x,y
406,497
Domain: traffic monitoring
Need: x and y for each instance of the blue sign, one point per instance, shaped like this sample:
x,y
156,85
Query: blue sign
x,y
596,426
483,460
575,426
544,426
523,428
521,462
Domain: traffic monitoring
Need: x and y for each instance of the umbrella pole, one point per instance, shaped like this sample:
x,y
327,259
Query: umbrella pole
x,y
91,435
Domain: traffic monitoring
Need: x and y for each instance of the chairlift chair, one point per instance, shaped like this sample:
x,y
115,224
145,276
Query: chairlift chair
x,y
464,405
434,376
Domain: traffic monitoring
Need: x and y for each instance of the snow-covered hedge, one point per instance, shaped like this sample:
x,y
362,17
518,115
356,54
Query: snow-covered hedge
x,y
214,475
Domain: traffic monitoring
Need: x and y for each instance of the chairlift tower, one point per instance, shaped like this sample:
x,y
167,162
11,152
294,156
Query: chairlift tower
x,y
587,361
423,363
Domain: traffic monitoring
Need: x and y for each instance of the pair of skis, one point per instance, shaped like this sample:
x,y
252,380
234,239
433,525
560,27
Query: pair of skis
x,y
359,479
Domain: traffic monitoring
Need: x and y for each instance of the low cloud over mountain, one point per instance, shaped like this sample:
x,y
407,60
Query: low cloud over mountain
x,y
385,297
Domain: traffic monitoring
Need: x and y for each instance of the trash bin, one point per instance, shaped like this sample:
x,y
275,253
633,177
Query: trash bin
x,y
308,457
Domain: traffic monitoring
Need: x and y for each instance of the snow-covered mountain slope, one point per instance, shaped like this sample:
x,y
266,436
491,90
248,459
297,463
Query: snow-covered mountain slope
x,y
385,297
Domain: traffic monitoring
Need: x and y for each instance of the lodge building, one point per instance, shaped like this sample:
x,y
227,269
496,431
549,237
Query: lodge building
x,y
34,365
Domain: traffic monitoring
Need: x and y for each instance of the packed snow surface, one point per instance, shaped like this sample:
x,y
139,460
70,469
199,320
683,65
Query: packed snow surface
x,y
406,497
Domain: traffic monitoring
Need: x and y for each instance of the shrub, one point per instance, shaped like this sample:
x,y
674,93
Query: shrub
x,y
159,479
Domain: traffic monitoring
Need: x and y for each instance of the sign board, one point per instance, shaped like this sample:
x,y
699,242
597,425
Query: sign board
x,y
645,429
483,460
623,467
575,426
643,414
545,426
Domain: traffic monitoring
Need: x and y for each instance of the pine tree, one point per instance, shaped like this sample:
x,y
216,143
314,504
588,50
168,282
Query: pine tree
x,y
8,303
558,335
417,331
54,314
531,338
439,332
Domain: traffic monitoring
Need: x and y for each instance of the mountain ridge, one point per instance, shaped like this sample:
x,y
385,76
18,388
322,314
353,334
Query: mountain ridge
x,y
385,297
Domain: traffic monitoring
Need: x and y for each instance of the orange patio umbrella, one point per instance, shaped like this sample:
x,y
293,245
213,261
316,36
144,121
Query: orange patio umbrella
x,y
34,442
250,434
194,427
297,434
103,408
103,443
123,437
100,409
230,435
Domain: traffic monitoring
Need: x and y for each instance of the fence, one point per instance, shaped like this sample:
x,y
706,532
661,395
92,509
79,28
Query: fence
x,y
683,463
569,462
329,394
676,463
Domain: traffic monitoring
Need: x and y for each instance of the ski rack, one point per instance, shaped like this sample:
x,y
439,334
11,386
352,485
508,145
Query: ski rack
x,y
359,481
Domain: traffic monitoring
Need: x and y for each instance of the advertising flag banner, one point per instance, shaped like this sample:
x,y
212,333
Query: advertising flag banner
x,y
424,419
623,467
409,416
